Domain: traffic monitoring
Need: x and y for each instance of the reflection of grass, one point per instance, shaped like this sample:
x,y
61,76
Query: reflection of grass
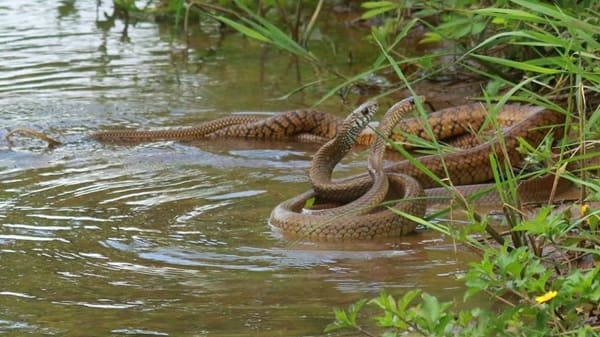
x,y
529,52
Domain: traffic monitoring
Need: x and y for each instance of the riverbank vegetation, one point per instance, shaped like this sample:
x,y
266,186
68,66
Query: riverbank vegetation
x,y
542,274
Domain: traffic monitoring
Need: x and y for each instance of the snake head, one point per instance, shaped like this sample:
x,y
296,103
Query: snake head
x,y
407,104
361,116
355,123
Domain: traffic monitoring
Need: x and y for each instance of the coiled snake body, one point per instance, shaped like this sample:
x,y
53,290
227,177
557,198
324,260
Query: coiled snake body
x,y
362,218
469,166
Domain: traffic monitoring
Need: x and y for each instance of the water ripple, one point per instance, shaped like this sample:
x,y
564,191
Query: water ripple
x,y
15,294
9,237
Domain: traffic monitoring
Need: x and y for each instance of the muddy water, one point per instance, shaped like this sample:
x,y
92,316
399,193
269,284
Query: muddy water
x,y
166,239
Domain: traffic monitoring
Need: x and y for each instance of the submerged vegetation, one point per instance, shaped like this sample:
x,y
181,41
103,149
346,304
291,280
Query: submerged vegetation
x,y
543,274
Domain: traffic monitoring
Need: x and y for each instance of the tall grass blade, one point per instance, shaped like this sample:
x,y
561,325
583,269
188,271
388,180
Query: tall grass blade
x,y
561,17
525,66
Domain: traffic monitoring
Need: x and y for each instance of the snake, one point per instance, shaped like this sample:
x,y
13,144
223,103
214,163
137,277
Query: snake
x,y
297,125
465,167
468,167
362,218
308,125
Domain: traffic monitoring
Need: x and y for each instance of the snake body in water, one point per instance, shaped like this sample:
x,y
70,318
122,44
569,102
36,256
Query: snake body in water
x,y
468,166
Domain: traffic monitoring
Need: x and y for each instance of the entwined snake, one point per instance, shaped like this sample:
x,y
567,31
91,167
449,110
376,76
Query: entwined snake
x,y
469,166
362,218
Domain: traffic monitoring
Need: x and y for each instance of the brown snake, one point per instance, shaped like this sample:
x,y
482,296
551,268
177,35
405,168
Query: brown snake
x,y
362,218
312,126
300,125
469,166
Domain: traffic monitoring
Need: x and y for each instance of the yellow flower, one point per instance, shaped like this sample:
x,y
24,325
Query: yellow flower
x,y
546,297
584,209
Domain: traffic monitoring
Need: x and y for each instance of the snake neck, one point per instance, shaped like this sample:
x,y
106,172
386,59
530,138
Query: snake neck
x,y
391,118
330,154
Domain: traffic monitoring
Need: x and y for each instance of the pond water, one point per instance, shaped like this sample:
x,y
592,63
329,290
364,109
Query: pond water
x,y
165,238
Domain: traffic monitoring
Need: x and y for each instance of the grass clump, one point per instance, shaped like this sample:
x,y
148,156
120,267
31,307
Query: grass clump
x,y
544,278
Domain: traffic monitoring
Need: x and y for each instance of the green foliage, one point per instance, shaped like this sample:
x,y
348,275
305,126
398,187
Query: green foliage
x,y
539,303
346,318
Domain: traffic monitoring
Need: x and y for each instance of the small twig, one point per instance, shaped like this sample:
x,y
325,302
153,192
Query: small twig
x,y
186,16
363,331
311,23
500,298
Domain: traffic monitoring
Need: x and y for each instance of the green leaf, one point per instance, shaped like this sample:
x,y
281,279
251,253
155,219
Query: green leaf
x,y
431,37
510,14
341,321
425,12
538,225
434,313
552,11
456,27
310,202
407,299
374,12
499,21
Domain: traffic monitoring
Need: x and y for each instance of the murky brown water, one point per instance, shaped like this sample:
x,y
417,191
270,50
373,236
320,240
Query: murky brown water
x,y
166,239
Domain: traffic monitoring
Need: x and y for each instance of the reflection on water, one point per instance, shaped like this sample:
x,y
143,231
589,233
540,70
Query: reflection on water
x,y
165,239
